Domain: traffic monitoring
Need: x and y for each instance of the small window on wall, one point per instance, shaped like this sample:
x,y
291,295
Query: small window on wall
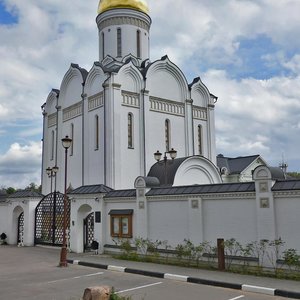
x,y
119,42
138,44
130,130
167,134
103,49
96,132
121,223
52,145
72,137
200,150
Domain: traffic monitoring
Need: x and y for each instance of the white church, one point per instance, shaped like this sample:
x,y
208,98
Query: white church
x,y
142,162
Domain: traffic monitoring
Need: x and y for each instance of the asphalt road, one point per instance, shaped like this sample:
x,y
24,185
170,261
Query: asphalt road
x,y
32,273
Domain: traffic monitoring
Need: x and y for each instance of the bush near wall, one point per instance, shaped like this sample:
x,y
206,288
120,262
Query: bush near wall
x,y
264,257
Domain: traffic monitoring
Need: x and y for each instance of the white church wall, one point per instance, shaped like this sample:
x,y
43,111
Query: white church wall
x,y
74,160
204,137
130,162
155,138
94,156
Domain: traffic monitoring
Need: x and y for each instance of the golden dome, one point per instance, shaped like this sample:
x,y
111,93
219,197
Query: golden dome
x,y
140,5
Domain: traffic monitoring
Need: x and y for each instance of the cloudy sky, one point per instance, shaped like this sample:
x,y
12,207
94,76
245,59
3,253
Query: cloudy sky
x,y
247,52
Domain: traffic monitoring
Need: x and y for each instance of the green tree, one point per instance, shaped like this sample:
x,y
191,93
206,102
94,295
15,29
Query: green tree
x,y
294,174
34,187
10,190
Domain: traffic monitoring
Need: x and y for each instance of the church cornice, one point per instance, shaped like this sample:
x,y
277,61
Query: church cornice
x,y
123,20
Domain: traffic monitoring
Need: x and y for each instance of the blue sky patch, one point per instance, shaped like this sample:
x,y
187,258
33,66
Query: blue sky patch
x,y
6,17
252,55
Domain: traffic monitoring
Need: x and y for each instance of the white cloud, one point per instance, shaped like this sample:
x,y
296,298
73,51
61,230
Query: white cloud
x,y
21,164
50,34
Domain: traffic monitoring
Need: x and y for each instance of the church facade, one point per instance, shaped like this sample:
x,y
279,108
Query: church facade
x,y
125,109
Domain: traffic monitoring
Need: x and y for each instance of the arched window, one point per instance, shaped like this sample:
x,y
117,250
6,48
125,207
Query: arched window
x,y
102,37
96,132
167,134
52,145
72,137
119,42
138,44
200,150
130,130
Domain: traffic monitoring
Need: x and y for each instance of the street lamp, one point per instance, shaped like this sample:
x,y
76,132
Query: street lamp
x,y
51,172
66,142
157,157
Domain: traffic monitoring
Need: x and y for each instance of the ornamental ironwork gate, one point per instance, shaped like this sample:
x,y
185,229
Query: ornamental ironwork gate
x,y
88,231
49,220
21,228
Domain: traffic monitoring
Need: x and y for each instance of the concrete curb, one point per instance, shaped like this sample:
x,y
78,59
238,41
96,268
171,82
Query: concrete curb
x,y
236,286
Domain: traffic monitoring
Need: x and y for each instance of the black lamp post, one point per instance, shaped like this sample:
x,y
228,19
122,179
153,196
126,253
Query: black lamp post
x,y
66,142
51,172
157,156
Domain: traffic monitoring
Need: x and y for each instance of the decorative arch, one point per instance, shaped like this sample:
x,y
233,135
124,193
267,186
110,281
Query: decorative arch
x,y
200,93
94,80
197,170
262,172
50,106
130,77
166,80
71,86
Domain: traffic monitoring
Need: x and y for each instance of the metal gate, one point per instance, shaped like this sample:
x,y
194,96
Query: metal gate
x,y
21,228
88,231
49,220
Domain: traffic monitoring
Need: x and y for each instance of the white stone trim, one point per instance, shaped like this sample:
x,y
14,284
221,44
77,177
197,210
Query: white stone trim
x,y
52,120
167,106
130,99
95,101
72,111
199,113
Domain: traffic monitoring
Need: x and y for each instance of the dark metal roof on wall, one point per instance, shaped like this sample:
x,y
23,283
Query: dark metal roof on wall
x,y
204,189
286,185
158,170
121,193
26,194
92,189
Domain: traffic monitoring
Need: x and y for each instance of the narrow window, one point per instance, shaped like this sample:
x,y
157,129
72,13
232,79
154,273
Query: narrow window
x,y
200,139
130,130
52,145
96,132
138,44
102,36
167,134
72,137
119,42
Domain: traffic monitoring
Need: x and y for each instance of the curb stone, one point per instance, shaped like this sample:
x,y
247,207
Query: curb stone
x,y
243,287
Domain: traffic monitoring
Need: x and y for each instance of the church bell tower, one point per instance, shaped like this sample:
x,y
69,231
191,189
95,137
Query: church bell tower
x,y
123,27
